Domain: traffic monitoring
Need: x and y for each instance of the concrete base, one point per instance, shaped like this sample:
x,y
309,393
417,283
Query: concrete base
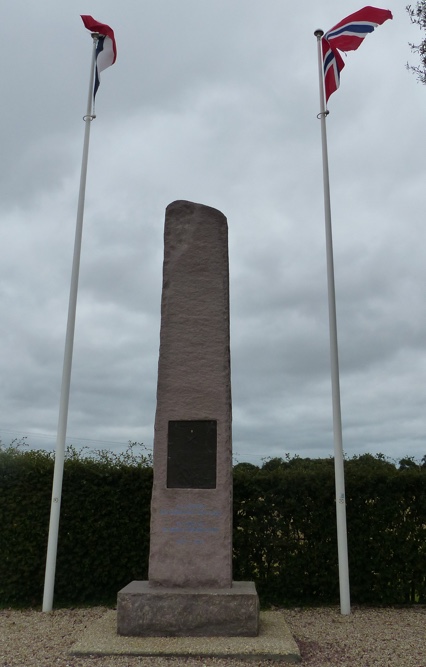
x,y
149,611
274,642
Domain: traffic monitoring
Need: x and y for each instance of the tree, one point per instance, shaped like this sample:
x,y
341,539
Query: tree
x,y
408,463
418,16
245,466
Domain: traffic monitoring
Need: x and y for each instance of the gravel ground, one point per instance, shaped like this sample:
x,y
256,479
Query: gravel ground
x,y
366,638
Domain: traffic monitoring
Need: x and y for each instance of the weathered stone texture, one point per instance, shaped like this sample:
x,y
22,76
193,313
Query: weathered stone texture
x,y
190,590
147,611
191,529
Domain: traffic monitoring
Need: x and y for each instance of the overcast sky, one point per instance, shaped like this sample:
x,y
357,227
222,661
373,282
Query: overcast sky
x,y
214,102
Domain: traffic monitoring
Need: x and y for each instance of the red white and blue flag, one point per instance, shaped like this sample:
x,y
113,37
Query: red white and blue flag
x,y
333,64
106,49
347,36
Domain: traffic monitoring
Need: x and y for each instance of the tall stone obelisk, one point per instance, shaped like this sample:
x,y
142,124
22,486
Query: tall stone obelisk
x,y
191,510
190,589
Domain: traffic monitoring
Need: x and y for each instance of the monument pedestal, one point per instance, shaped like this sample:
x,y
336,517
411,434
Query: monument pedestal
x,y
144,610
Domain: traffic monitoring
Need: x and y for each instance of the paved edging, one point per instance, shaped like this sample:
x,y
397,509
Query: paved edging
x,y
274,642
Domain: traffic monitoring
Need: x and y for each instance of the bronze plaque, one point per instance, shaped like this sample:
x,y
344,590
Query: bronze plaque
x,y
192,454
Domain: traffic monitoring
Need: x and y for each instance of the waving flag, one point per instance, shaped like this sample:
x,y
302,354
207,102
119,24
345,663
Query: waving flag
x,y
347,36
349,33
333,65
106,49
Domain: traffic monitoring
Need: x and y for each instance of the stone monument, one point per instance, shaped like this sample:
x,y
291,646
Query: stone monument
x,y
190,591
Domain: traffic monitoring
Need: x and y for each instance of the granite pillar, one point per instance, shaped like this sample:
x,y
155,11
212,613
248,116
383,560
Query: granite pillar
x,y
190,562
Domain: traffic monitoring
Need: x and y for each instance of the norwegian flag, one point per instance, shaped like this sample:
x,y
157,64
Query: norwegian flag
x,y
347,36
106,49
333,65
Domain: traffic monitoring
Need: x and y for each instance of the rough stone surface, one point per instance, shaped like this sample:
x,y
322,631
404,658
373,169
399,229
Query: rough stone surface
x,y
191,528
144,610
190,590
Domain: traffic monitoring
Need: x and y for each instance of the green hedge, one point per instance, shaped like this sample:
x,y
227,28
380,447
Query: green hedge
x,y
285,531
104,526
284,528
284,535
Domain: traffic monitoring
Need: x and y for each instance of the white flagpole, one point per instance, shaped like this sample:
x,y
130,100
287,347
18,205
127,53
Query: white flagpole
x,y
342,539
49,580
